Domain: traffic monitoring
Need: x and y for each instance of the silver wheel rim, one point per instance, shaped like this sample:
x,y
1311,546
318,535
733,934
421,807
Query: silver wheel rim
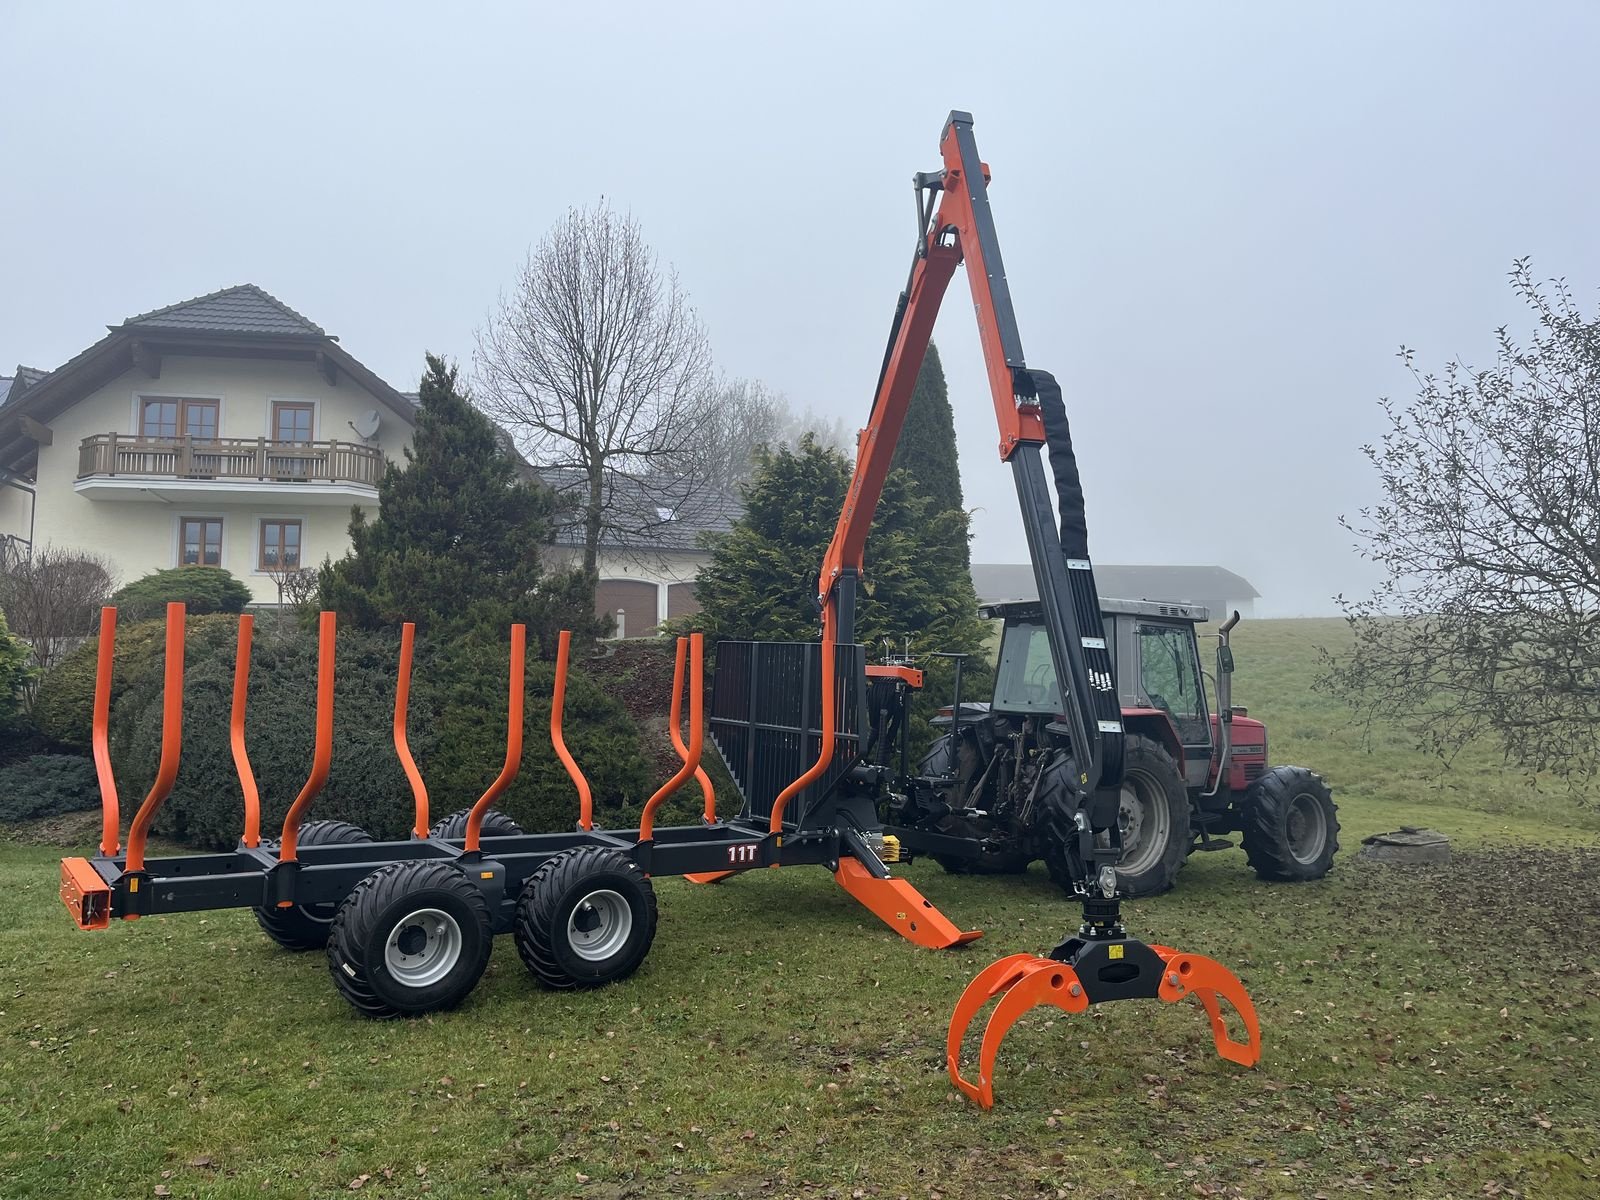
x,y
1145,823
423,947
1306,829
599,925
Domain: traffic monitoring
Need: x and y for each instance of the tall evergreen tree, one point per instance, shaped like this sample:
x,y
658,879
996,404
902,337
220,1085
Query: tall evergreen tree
x,y
455,545
927,446
762,577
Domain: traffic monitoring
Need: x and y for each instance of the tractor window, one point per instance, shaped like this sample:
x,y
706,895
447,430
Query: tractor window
x,y
1170,676
1025,680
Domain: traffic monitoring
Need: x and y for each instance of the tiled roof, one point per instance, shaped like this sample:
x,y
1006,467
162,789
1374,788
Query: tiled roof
x,y
647,513
25,377
244,309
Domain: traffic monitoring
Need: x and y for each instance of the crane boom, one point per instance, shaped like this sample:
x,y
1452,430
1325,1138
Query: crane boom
x,y
955,225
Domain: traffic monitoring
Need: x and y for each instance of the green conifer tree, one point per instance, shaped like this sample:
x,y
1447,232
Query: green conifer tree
x,y
455,546
762,577
927,448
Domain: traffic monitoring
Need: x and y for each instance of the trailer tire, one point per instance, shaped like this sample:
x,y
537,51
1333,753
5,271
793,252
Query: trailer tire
x,y
1290,825
495,824
412,938
305,926
585,918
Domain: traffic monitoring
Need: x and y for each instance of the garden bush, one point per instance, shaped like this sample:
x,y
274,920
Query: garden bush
x,y
200,589
47,785
457,731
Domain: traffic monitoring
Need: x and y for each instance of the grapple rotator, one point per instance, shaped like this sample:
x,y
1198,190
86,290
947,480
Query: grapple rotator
x,y
1098,964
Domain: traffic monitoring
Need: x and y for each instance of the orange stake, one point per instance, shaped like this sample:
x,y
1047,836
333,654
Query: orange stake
x,y
700,776
558,699
691,761
402,748
513,764
110,813
322,757
241,759
825,751
171,740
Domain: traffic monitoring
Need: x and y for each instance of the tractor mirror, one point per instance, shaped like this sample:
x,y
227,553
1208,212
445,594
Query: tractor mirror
x,y
1225,659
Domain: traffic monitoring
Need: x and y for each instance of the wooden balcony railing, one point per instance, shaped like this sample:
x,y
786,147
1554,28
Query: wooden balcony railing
x,y
259,459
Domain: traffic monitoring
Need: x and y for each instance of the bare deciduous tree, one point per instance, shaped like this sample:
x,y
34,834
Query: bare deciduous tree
x,y
52,599
1489,534
599,367
745,418
297,588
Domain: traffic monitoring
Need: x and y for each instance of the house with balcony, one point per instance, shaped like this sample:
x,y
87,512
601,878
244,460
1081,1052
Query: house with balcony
x,y
223,431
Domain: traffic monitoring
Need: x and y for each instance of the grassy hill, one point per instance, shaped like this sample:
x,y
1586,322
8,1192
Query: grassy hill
x,y
1428,1032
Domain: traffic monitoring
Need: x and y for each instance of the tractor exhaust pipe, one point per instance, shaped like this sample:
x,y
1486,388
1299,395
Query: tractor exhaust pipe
x,y
1224,701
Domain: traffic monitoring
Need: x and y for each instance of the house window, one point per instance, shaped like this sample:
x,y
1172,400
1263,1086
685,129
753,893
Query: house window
x,y
162,417
291,422
280,546
200,542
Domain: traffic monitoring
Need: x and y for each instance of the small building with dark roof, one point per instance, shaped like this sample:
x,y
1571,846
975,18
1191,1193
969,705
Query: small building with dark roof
x,y
226,430
651,547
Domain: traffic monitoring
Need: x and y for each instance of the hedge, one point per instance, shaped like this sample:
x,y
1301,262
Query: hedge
x,y
47,785
457,731
200,589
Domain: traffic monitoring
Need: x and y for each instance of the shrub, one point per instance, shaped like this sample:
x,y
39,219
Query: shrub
x,y
64,708
457,731
47,785
15,674
201,589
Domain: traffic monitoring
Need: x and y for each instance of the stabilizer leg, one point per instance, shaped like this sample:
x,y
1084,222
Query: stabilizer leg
x,y
902,908
710,876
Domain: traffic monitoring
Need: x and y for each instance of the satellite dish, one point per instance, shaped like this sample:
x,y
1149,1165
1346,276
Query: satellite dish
x,y
366,425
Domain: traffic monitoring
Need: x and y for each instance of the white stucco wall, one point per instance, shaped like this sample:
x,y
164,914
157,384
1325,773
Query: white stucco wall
x,y
138,531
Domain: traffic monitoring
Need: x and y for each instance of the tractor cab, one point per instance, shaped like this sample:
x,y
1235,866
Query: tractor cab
x,y
1161,685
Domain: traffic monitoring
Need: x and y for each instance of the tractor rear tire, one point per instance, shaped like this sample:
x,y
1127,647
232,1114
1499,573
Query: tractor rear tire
x,y
1290,825
495,824
1154,815
412,938
585,918
305,926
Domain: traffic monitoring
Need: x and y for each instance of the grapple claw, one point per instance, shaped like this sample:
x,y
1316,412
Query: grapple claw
x,y
1120,969
1208,979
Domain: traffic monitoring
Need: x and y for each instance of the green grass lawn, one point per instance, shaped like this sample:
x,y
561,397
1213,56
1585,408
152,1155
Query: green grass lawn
x,y
1428,1031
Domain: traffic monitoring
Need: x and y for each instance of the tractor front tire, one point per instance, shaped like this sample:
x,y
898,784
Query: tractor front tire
x,y
1154,815
305,926
412,938
585,918
495,824
1290,825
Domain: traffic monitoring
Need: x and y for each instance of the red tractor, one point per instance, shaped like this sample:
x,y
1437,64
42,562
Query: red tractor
x,y
983,797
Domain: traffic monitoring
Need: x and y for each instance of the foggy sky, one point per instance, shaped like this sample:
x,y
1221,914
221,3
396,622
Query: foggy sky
x,y
1219,221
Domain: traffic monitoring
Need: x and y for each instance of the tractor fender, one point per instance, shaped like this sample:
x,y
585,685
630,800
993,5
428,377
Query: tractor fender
x,y
1157,725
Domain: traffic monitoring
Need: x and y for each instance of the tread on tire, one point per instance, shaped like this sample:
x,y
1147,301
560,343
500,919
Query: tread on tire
x,y
545,911
305,926
374,912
